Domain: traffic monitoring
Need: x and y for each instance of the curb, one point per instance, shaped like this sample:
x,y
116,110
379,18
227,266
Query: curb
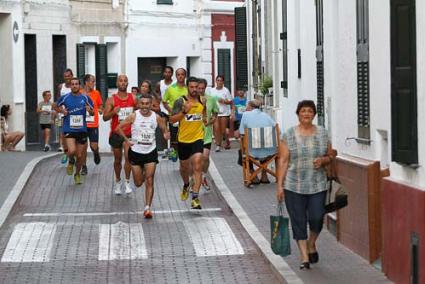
x,y
19,186
279,266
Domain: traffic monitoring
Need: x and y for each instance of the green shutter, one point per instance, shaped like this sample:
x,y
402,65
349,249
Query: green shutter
x,y
404,120
81,61
224,67
241,48
102,70
168,2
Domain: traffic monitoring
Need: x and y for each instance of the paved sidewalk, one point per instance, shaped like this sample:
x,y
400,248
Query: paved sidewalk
x,y
337,264
12,165
58,232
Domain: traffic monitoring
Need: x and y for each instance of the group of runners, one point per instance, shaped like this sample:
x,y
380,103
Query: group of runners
x,y
137,119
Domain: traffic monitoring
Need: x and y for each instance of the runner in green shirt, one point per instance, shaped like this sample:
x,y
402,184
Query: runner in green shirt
x,y
212,111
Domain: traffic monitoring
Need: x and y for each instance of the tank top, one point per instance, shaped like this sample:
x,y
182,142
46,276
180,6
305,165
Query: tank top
x,y
64,90
126,107
163,87
191,127
143,132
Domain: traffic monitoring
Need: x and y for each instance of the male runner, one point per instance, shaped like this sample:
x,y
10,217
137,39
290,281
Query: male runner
x,y
74,107
64,89
212,110
172,94
143,154
191,114
92,121
118,108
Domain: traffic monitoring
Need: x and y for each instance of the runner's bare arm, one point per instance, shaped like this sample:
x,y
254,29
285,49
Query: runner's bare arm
x,y
109,109
129,120
163,127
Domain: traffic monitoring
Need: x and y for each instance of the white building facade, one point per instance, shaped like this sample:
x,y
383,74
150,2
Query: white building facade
x,y
362,63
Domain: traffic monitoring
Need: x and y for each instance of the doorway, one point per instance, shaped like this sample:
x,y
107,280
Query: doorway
x,y
150,69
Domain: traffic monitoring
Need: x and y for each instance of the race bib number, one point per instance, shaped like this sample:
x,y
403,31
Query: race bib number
x,y
193,117
89,118
46,108
124,113
146,137
76,121
241,109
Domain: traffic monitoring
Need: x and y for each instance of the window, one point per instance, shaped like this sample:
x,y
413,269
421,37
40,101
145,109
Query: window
x,y
319,64
224,66
284,38
363,109
241,47
167,2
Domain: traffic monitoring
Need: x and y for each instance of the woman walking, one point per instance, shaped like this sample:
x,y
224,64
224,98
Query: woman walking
x,y
301,179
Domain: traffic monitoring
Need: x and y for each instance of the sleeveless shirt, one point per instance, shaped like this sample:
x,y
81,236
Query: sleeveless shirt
x,y
143,133
127,106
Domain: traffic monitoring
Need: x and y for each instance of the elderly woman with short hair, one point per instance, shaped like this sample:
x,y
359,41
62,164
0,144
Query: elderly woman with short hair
x,y
302,181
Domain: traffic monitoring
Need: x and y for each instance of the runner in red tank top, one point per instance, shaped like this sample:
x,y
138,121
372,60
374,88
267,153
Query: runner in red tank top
x,y
118,108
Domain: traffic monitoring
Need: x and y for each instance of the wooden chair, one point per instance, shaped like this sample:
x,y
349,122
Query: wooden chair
x,y
259,147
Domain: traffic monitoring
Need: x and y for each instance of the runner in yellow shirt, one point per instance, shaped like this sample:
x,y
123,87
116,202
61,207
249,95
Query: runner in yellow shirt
x,y
191,114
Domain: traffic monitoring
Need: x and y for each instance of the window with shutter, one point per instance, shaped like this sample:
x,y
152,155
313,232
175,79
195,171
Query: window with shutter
x,y
241,48
319,63
167,2
284,38
81,61
102,70
404,128
363,109
223,68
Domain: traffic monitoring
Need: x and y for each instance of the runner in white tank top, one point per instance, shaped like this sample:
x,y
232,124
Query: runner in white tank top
x,y
142,154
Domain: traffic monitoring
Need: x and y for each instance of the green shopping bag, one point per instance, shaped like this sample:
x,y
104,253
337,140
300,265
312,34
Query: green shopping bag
x,y
280,242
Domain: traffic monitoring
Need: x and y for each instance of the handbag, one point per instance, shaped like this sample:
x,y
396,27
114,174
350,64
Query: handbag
x,y
280,242
340,200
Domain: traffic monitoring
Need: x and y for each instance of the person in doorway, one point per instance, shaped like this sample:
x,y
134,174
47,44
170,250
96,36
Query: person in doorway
x,y
143,155
46,116
92,121
74,108
224,99
64,89
135,91
117,109
9,139
172,94
191,114
210,103
302,181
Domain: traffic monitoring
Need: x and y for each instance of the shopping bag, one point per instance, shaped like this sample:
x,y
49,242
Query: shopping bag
x,y
340,200
280,242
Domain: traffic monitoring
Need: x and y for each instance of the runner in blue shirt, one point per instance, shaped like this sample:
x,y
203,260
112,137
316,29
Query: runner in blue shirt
x,y
238,108
74,106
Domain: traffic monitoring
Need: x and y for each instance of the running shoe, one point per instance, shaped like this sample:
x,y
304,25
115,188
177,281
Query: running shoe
x,y
196,204
128,188
217,148
64,159
70,169
173,155
60,149
148,213
205,183
84,170
77,179
46,148
117,188
96,157
184,195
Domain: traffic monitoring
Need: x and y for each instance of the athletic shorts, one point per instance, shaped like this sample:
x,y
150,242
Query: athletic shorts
x,y
45,126
207,146
93,134
116,141
138,159
236,125
186,150
80,137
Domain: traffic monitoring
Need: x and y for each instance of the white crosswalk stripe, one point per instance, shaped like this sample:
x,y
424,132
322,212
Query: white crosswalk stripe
x,y
122,241
30,242
212,237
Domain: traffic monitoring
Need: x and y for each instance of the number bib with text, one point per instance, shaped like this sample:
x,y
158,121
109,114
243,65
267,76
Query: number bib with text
x,y
76,121
124,113
89,118
193,117
146,136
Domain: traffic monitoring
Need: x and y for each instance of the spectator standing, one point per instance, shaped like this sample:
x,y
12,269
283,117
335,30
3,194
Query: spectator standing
x,y
46,116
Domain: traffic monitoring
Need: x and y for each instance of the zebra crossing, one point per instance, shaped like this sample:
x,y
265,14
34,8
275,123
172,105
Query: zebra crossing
x,y
209,237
